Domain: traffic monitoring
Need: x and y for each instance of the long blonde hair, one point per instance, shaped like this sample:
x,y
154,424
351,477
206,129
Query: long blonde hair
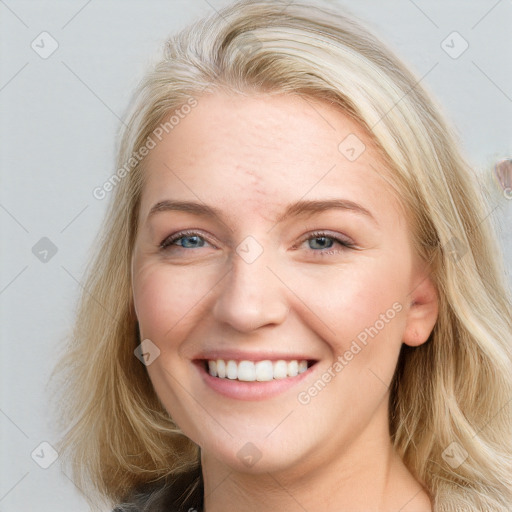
x,y
449,396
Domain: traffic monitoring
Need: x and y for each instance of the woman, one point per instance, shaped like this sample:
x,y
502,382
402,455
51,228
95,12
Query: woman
x,y
296,302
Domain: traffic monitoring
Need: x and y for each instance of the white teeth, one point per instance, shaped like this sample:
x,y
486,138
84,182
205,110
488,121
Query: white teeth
x,y
212,368
293,368
246,371
264,371
232,370
280,369
261,371
221,369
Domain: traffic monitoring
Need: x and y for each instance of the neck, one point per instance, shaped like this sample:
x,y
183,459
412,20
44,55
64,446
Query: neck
x,y
374,479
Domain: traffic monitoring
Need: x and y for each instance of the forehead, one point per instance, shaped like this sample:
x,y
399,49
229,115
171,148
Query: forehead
x,y
260,152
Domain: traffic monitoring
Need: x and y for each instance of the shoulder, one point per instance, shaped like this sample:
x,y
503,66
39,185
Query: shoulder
x,y
180,494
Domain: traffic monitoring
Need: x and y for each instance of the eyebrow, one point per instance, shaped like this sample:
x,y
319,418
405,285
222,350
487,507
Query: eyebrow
x,y
300,208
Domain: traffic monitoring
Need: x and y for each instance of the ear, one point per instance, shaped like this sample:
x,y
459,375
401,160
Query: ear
x,y
423,311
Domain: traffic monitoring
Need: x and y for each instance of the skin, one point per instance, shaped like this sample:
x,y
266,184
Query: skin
x,y
250,156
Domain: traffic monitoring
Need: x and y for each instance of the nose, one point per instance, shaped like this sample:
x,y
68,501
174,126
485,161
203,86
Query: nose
x,y
251,296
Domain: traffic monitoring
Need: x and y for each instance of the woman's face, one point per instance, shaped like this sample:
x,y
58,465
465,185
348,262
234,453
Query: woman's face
x,y
268,233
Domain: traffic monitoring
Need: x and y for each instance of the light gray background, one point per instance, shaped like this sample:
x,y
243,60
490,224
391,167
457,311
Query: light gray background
x,y
59,119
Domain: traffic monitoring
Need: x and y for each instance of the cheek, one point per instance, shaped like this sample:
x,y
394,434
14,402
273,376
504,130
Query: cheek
x,y
167,299
363,309
376,313
168,303
352,298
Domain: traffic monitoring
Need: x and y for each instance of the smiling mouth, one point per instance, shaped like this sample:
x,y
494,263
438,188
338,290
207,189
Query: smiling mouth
x,y
256,371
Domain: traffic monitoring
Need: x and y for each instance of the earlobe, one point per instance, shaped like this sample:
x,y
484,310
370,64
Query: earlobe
x,y
422,313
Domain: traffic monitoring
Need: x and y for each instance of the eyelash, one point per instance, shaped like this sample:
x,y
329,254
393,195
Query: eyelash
x,y
167,242
345,244
173,238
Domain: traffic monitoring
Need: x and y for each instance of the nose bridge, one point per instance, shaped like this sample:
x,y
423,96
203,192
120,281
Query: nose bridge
x,y
251,295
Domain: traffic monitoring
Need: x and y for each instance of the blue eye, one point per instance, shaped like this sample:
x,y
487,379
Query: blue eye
x,y
191,242
187,240
318,242
323,241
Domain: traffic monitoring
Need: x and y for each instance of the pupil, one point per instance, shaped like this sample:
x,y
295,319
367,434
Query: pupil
x,y
193,238
322,241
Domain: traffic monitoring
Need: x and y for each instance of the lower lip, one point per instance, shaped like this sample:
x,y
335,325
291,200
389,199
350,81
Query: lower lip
x,y
256,390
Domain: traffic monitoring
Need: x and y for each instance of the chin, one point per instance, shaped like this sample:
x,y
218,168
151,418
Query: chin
x,y
252,459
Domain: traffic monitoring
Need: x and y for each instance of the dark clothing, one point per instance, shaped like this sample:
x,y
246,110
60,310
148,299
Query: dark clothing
x,y
182,494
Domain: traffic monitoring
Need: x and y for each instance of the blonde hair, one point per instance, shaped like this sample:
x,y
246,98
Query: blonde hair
x,y
455,388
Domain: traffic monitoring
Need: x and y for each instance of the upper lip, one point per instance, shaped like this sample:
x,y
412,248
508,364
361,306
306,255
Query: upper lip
x,y
239,355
